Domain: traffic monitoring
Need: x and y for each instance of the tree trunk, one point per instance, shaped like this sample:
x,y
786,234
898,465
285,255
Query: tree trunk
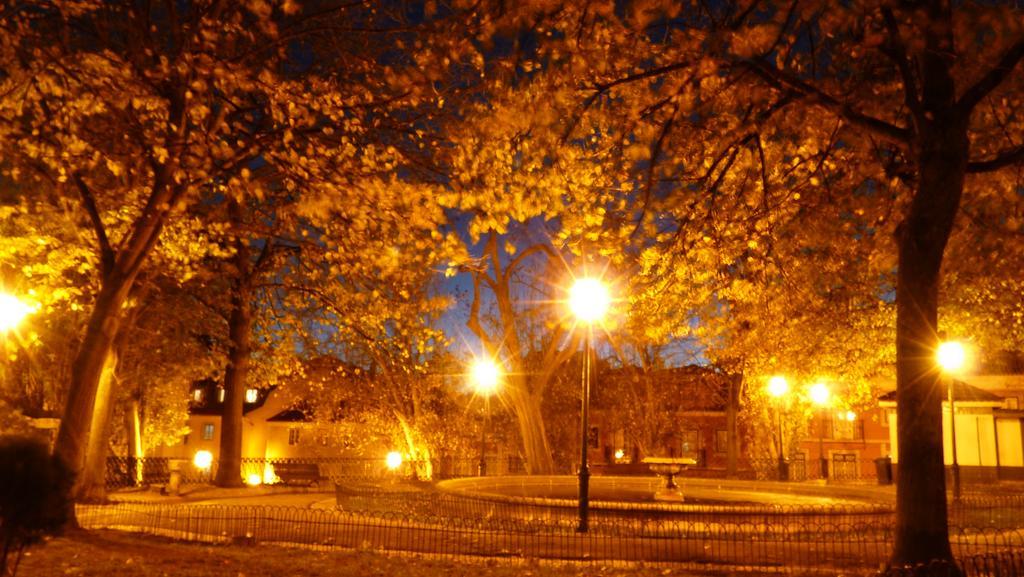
x,y
732,408
135,450
229,468
536,449
87,371
922,531
422,467
92,487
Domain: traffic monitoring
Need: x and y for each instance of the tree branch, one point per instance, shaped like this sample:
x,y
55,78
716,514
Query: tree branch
x,y
897,52
993,78
1003,159
107,255
782,80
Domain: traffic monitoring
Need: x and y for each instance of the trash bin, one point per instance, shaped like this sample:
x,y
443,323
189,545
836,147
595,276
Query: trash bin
x,y
883,470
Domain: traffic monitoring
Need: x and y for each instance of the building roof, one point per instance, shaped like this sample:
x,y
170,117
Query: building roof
x,y
289,416
211,405
962,392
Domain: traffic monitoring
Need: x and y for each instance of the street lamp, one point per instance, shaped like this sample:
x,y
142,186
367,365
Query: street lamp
x,y
778,387
486,376
820,396
589,301
951,357
12,312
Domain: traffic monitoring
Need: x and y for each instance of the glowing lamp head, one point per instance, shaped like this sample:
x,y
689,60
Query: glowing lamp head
x,y
951,356
254,480
819,394
12,312
778,386
851,416
486,376
203,460
619,454
589,300
393,460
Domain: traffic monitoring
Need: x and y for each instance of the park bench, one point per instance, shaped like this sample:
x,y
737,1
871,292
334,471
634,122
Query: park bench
x,y
298,473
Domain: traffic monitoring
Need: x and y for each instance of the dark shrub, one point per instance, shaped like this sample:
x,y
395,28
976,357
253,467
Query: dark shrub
x,y
34,497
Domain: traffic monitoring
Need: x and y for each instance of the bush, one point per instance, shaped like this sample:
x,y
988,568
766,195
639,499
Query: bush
x,y
35,500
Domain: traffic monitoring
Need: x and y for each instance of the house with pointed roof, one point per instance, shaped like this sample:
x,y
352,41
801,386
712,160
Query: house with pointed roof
x,y
987,419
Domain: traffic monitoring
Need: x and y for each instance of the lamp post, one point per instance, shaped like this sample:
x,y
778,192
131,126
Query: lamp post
x,y
820,395
486,378
589,301
12,312
778,387
951,356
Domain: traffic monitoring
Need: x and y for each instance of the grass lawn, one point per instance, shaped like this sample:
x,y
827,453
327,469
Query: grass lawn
x,y
116,554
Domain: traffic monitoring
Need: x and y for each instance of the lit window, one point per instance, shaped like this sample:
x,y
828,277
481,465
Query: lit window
x,y
197,395
847,429
251,395
721,441
293,436
208,432
220,394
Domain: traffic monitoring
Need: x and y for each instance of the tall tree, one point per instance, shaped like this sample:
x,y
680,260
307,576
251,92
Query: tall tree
x,y
133,110
731,115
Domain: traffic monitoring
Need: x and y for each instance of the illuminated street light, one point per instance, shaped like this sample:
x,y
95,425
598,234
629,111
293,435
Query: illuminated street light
x,y
486,376
12,312
820,396
254,480
393,460
778,387
951,358
589,300
203,460
486,379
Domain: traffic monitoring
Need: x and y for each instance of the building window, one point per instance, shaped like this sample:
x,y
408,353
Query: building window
x,y
293,436
197,395
846,429
691,441
208,432
721,441
220,394
251,395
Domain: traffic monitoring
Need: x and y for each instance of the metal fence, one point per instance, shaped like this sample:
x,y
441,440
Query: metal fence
x,y
129,471
796,544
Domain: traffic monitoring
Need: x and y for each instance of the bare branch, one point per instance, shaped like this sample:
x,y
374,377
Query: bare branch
x,y
993,78
1010,157
783,80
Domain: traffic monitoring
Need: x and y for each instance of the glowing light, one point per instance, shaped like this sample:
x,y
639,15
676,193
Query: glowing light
x,y
251,395
393,460
951,356
589,300
619,454
819,394
254,480
778,386
847,416
486,376
12,312
203,460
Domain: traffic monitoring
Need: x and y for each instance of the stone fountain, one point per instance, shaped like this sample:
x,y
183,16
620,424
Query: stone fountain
x,y
668,467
